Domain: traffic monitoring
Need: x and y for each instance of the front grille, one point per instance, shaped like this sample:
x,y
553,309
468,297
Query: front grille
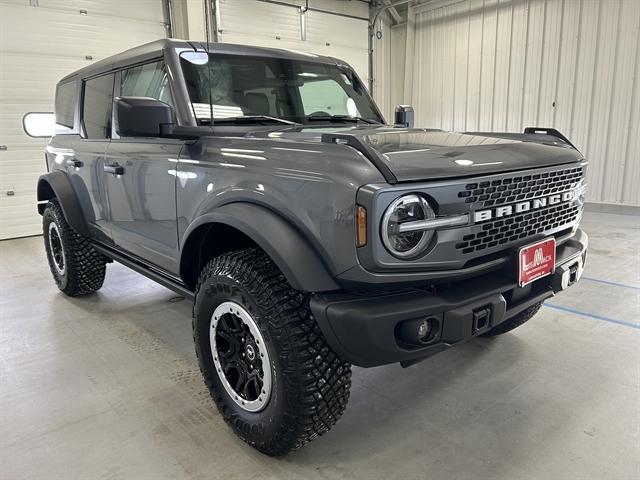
x,y
508,230
504,231
508,190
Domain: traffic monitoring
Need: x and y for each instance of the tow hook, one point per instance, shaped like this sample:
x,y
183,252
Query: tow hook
x,y
481,319
568,274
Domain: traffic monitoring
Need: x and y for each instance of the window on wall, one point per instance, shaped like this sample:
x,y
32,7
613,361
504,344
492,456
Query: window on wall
x,y
96,107
148,80
65,104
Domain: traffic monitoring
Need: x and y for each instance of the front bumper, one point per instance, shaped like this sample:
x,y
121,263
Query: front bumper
x,y
364,329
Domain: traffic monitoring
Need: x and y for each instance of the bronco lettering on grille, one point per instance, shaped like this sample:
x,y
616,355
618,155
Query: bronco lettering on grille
x,y
520,207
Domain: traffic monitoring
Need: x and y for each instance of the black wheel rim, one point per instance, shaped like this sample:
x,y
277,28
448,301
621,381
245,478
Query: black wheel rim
x,y
240,356
55,247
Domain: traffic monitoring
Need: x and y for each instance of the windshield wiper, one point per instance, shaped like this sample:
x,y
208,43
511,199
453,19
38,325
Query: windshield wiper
x,y
341,118
250,118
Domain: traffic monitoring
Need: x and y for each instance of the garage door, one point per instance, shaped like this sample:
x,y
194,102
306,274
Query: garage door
x,y
40,42
278,26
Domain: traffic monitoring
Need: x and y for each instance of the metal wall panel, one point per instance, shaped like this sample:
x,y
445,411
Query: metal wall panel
x,y
388,66
502,65
38,46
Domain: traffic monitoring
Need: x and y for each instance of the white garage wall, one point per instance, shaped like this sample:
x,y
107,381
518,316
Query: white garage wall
x,y
252,22
277,25
502,65
38,46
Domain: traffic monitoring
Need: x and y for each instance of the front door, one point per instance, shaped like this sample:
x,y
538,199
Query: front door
x,y
142,200
140,176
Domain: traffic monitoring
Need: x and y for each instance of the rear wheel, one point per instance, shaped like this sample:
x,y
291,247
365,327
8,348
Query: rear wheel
x,y
268,368
77,268
515,321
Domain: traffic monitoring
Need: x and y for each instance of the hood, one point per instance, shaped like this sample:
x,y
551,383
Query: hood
x,y
418,154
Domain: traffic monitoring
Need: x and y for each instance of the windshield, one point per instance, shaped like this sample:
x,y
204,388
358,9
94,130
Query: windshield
x,y
242,89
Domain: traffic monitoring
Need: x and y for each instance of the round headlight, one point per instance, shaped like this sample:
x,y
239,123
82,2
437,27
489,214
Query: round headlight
x,y
408,208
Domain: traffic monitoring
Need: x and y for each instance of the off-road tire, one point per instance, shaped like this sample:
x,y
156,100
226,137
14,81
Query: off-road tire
x,y
515,321
310,386
84,268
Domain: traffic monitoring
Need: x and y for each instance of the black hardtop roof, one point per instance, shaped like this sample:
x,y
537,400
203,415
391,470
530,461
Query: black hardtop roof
x,y
156,48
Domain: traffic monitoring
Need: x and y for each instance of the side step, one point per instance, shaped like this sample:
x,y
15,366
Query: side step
x,y
146,270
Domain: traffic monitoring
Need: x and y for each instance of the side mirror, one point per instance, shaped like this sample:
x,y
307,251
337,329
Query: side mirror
x,y
141,116
404,116
39,124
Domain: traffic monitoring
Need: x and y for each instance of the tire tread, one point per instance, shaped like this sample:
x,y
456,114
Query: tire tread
x,y
515,321
85,267
317,380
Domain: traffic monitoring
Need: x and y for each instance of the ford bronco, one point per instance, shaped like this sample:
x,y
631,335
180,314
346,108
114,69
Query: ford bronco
x,y
266,185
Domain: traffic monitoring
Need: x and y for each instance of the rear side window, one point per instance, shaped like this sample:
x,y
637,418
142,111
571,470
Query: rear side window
x,y
148,80
65,104
96,107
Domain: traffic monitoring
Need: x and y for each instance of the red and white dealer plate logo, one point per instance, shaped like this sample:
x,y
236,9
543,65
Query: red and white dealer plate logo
x,y
536,261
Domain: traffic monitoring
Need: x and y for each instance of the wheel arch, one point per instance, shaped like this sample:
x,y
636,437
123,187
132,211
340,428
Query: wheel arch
x,y
240,225
57,185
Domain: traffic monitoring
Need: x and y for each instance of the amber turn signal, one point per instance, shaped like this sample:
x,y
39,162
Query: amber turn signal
x,y
361,223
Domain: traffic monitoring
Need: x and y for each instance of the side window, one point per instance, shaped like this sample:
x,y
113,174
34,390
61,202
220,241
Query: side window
x,y
65,105
324,96
150,80
96,107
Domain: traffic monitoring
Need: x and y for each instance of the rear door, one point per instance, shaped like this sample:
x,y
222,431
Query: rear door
x,y
85,169
42,41
142,201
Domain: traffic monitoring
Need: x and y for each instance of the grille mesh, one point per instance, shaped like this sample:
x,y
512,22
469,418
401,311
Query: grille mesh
x,y
508,230
509,190
505,231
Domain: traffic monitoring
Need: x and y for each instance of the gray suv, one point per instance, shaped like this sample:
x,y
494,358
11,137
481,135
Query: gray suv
x,y
311,235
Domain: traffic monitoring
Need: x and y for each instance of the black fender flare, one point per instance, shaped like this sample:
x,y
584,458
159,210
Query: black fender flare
x,y
57,184
281,241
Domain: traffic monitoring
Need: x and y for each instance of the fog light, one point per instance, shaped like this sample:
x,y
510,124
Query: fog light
x,y
424,329
421,331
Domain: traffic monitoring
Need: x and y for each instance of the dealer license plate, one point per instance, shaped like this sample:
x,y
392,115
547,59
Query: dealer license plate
x,y
536,261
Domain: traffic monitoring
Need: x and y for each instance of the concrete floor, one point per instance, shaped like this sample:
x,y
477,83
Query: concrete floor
x,y
107,387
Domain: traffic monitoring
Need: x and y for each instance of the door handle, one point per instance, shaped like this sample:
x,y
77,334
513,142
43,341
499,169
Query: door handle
x,y
74,163
114,168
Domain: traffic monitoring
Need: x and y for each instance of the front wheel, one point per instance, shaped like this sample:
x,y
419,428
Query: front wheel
x,y
264,360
